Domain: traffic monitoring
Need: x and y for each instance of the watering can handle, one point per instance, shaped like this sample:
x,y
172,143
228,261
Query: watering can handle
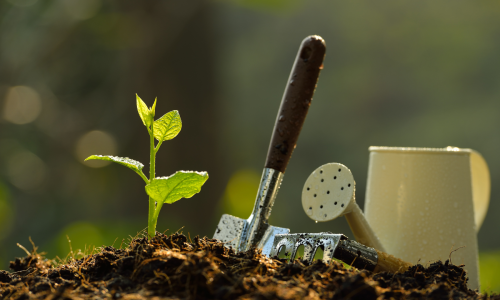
x,y
361,229
295,102
481,186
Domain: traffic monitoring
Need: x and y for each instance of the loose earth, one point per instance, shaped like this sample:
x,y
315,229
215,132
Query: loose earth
x,y
174,267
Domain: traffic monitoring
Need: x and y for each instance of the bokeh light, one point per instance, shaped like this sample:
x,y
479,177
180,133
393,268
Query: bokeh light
x,y
22,3
240,193
25,170
95,142
22,105
81,9
489,264
6,212
82,236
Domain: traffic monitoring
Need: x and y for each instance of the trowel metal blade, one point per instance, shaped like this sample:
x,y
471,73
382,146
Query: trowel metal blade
x,y
232,231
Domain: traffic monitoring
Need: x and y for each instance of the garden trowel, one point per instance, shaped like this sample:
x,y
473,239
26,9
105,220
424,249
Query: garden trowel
x,y
255,231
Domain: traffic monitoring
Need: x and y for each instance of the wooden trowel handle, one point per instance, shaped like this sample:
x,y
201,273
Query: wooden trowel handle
x,y
295,102
390,263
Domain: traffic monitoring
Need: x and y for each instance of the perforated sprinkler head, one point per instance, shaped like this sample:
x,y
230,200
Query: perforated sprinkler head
x,y
328,192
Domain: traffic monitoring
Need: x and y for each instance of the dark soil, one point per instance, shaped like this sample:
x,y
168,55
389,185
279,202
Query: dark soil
x,y
172,267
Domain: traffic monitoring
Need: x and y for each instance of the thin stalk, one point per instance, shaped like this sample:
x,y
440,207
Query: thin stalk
x,y
143,177
158,146
157,213
151,217
151,222
152,156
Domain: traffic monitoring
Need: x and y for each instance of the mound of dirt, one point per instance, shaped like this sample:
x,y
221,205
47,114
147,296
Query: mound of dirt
x,y
171,267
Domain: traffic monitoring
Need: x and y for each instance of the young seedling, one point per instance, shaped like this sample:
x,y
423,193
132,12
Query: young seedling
x,y
182,184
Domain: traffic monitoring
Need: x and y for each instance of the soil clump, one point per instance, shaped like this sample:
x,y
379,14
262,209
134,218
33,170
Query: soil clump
x,y
174,267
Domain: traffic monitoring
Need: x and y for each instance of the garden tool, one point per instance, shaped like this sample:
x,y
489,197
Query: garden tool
x,y
328,193
255,231
340,247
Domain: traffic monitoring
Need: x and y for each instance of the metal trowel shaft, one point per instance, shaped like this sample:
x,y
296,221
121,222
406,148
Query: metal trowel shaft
x,y
255,232
292,113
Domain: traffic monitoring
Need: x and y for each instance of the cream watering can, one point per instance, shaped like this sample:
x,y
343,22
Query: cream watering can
x,y
423,203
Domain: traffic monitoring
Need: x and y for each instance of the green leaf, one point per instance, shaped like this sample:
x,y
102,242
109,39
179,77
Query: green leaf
x,y
124,161
183,184
153,109
168,126
144,112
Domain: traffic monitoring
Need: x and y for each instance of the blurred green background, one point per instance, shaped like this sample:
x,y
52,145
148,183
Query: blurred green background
x,y
397,73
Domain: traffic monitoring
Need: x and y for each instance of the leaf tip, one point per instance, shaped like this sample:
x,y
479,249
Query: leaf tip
x,y
153,108
90,157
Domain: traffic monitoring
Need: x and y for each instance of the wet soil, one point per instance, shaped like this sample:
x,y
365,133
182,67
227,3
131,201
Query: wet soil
x,y
174,267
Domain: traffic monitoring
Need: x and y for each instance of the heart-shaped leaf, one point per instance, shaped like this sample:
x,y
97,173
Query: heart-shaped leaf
x,y
168,126
144,112
183,184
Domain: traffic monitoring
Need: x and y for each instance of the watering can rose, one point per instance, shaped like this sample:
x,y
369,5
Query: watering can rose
x,y
182,184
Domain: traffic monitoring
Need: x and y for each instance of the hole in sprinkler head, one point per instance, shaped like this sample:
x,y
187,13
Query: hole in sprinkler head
x,y
342,188
306,54
335,203
328,192
334,177
325,215
321,172
314,195
349,185
322,180
342,205
340,170
310,207
308,188
321,206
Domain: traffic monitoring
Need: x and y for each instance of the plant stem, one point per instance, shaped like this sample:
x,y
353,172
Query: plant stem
x,y
151,214
157,213
152,156
151,219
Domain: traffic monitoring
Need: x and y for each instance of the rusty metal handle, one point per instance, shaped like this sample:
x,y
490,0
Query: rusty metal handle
x,y
295,102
